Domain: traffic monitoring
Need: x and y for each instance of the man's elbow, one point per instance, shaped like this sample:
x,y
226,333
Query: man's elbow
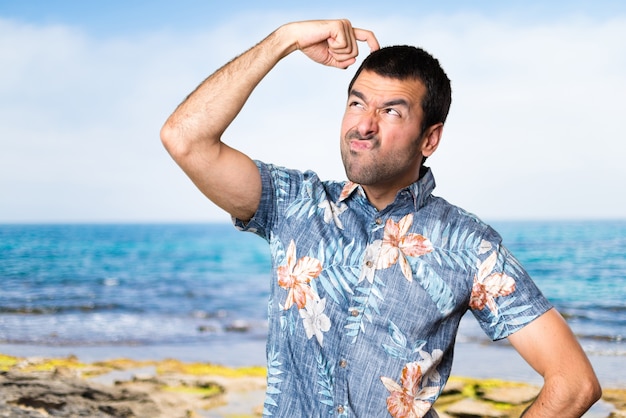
x,y
168,136
591,390
174,142
587,392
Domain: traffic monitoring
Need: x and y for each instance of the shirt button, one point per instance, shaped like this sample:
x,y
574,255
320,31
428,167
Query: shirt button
x,y
369,264
343,363
354,312
341,409
379,221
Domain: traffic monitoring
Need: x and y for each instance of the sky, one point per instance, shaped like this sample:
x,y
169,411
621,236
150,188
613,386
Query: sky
x,y
535,132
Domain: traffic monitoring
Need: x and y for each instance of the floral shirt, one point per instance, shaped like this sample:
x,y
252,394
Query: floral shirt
x,y
364,304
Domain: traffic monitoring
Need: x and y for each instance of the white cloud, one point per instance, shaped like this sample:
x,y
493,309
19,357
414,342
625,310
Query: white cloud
x,y
534,129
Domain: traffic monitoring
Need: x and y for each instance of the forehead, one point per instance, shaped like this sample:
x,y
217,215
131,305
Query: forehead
x,y
375,87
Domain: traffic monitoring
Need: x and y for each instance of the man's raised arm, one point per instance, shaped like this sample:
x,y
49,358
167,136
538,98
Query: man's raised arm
x,y
192,134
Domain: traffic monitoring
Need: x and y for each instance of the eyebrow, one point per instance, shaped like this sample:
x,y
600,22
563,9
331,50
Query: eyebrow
x,y
394,102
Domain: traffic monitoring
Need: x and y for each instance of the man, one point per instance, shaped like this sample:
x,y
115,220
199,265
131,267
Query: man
x,y
370,276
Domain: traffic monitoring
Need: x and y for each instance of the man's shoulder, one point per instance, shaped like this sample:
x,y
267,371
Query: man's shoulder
x,y
457,218
451,212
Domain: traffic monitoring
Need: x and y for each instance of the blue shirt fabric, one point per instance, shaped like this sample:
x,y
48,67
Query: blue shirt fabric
x,y
364,304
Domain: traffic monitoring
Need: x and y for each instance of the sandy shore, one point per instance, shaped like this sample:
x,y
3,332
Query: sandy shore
x,y
34,387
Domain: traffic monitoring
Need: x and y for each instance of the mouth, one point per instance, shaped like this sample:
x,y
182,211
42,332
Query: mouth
x,y
358,142
361,144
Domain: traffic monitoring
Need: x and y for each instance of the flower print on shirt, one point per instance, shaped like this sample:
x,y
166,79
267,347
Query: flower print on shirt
x,y
369,262
347,190
429,363
296,276
396,245
315,321
332,212
358,312
408,400
489,285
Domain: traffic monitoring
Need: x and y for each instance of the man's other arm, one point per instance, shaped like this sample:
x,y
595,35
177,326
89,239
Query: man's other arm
x,y
570,384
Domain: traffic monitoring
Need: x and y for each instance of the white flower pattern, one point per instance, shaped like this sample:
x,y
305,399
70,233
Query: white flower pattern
x,y
315,321
372,252
429,366
332,212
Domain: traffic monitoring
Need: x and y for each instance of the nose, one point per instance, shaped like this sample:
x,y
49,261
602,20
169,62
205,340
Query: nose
x,y
367,125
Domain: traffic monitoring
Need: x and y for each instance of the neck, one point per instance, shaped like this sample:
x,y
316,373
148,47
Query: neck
x,y
380,199
382,195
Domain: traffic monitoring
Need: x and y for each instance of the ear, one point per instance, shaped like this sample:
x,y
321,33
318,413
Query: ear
x,y
431,139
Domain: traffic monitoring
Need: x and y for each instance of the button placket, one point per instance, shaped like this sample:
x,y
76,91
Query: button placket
x,y
342,370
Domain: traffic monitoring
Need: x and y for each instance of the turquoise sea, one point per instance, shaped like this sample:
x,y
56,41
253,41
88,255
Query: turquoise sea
x,y
198,292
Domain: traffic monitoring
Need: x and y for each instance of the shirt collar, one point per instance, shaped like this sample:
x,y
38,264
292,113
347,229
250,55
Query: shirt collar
x,y
419,191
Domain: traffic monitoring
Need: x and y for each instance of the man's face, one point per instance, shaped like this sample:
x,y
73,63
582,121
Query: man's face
x,y
380,131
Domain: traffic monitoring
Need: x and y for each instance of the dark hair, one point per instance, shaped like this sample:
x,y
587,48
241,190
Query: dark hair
x,y
407,62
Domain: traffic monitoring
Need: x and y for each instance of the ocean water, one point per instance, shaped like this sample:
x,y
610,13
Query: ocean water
x,y
199,291
129,284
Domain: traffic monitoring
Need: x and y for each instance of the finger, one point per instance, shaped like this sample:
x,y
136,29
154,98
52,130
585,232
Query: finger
x,y
344,40
367,36
347,56
344,60
344,48
343,63
351,36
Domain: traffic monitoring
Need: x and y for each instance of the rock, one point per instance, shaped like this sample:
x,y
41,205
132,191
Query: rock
x,y
511,395
452,387
472,408
144,377
238,326
443,414
7,411
35,395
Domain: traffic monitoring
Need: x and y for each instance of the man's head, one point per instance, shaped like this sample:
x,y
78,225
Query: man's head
x,y
397,104
408,62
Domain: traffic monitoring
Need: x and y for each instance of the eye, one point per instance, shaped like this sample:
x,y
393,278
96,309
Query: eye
x,y
355,104
391,111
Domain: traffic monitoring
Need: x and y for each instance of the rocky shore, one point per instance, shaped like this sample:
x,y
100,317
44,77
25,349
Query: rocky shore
x,y
66,387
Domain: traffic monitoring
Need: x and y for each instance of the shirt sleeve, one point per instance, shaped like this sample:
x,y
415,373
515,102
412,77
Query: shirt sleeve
x,y
278,186
504,298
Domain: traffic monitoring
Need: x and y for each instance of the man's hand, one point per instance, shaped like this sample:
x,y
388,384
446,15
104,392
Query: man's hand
x,y
329,42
